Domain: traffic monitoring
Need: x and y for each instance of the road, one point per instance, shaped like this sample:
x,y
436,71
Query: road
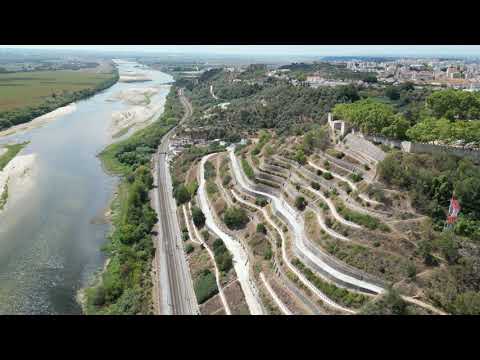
x,y
176,294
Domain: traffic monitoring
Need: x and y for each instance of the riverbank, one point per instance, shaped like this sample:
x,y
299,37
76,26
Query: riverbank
x,y
125,284
17,179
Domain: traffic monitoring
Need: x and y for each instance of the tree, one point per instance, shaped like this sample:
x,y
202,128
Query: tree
x,y
397,129
198,217
181,194
392,93
300,157
348,93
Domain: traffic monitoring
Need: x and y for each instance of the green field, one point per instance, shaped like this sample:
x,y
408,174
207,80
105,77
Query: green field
x,y
26,95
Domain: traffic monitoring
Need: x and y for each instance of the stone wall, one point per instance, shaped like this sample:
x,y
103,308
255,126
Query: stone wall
x,y
413,147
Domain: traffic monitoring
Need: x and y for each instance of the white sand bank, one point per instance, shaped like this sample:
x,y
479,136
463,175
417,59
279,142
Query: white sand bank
x,y
19,175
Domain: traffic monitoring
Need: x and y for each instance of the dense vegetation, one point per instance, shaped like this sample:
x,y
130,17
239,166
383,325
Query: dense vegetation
x,y
25,97
373,117
445,117
328,71
125,285
431,181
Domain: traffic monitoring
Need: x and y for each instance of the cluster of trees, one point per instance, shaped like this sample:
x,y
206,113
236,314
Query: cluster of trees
x,y
20,116
274,105
454,105
446,131
122,287
373,118
431,181
328,70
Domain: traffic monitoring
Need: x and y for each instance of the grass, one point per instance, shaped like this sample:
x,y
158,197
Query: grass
x,y
20,90
12,151
205,286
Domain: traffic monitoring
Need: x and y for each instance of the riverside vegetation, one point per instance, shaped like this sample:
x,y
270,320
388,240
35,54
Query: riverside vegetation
x,y
125,285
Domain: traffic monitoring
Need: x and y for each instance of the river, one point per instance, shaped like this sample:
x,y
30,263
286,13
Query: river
x,y
50,244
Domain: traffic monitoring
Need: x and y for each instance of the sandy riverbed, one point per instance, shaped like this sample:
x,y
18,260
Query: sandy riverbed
x,y
128,78
19,175
41,120
142,113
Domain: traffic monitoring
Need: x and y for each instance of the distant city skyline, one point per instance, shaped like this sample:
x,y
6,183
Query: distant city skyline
x,y
279,50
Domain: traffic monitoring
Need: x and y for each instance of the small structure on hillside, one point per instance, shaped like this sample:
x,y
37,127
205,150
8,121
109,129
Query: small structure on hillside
x,y
338,125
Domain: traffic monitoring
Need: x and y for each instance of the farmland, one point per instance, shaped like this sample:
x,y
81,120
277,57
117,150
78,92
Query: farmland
x,y
26,95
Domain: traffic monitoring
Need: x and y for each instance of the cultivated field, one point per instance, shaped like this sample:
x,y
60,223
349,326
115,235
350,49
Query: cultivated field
x,y
30,89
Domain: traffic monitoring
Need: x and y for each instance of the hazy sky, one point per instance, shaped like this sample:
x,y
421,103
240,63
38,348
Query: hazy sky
x,y
316,50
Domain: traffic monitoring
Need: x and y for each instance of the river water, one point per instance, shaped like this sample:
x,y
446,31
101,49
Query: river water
x,y
50,243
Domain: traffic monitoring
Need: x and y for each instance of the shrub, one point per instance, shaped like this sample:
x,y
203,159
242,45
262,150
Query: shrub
x,y
261,201
328,176
319,172
189,248
315,185
181,194
235,218
300,203
356,177
209,170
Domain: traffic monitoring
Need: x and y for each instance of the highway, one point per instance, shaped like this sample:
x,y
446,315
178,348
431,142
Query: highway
x,y
175,291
